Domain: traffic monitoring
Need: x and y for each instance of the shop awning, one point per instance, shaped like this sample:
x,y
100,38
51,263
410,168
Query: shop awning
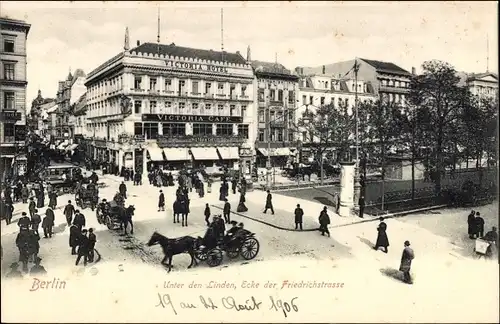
x,y
280,151
229,153
176,154
71,147
155,153
204,153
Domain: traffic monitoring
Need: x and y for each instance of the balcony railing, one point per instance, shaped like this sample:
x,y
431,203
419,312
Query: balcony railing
x,y
221,95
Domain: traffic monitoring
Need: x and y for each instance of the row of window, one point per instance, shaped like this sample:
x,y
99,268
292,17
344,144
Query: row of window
x,y
277,95
151,130
153,107
278,116
322,101
277,134
395,83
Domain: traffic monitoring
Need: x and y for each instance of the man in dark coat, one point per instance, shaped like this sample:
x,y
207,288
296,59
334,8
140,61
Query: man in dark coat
x,y
83,248
69,210
34,244
471,226
32,206
53,200
406,259
79,220
40,199
35,221
48,222
227,211
176,207
74,233
37,269
23,244
269,202
382,239
234,184
222,195
207,214
479,222
25,194
324,221
8,210
92,242
361,203
299,213
161,201
24,221
123,190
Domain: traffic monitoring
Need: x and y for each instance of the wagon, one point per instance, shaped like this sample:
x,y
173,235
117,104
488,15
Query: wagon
x,y
87,197
109,217
247,246
481,247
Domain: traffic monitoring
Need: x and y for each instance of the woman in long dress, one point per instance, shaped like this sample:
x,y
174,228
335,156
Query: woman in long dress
x,y
241,206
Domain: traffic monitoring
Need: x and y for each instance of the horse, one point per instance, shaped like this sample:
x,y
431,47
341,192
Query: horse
x,y
171,247
125,216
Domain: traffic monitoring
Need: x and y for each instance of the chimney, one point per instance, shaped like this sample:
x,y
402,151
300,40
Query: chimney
x,y
238,52
248,54
297,70
413,71
138,42
301,71
324,68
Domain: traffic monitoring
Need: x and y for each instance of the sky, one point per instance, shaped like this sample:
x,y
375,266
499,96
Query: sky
x,y
65,36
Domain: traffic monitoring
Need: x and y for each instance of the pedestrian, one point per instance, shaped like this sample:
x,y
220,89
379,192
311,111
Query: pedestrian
x,y
24,194
123,189
79,220
35,221
299,213
74,232
337,202
132,175
324,221
479,222
32,207
23,245
24,222
201,191
40,202
209,185
92,242
234,184
83,248
37,269
48,222
8,209
159,181
361,203
161,201
69,210
269,202
471,225
406,259
241,205
227,211
53,200
33,244
189,184
382,239
207,214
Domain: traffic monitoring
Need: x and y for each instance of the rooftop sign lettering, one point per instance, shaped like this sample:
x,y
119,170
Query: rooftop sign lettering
x,y
196,66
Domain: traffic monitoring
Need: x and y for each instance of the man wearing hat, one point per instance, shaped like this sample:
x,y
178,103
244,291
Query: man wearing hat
x,y
14,271
92,242
83,248
405,266
32,207
79,220
69,210
48,222
35,221
23,244
24,221
37,269
227,211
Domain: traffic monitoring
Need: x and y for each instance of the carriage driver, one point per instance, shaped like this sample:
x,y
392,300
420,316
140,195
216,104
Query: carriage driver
x,y
103,205
119,199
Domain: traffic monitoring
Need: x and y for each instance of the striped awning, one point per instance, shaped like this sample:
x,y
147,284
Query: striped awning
x,y
204,153
229,153
155,152
176,154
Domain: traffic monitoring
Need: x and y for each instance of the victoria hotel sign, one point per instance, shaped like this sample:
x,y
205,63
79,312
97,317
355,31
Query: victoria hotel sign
x,y
196,66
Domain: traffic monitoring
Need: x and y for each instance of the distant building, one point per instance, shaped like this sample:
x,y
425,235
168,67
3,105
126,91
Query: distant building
x,y
384,80
68,92
276,105
167,106
13,82
484,85
35,115
78,118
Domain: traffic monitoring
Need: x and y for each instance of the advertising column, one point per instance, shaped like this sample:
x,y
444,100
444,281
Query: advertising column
x,y
346,188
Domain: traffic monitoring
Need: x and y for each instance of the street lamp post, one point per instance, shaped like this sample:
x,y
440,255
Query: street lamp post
x,y
357,185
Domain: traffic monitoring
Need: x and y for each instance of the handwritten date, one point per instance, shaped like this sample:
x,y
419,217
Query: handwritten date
x,y
229,302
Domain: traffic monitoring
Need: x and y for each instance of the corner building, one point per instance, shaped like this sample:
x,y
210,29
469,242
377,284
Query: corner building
x,y
170,107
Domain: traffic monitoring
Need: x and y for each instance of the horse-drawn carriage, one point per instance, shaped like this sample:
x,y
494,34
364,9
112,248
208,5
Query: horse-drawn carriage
x,y
115,216
87,195
61,177
244,244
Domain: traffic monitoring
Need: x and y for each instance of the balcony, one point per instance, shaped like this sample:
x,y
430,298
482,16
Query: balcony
x,y
168,92
278,124
209,95
233,96
244,97
183,93
136,90
221,95
196,94
153,91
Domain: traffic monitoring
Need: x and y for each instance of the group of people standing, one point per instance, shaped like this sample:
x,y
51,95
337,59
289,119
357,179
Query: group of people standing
x,y
81,241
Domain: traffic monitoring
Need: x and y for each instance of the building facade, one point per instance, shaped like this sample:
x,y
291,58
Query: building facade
x,y
483,85
38,105
13,58
388,81
68,92
276,105
168,106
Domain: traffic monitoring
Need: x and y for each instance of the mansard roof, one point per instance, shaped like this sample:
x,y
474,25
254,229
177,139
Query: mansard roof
x,y
385,66
188,52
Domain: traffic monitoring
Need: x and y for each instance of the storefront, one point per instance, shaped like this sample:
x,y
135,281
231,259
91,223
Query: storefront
x,y
279,156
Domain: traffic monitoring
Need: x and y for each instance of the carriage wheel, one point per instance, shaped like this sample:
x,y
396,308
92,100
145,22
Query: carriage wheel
x,y
109,223
201,254
214,257
233,252
250,248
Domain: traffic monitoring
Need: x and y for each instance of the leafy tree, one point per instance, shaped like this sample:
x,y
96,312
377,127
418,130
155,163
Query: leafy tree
x,y
323,128
437,93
